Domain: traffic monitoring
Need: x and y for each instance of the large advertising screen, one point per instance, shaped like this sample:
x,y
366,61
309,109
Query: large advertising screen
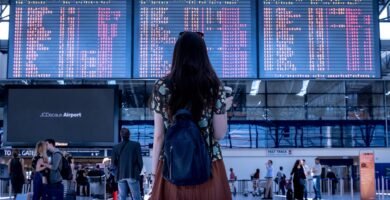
x,y
73,116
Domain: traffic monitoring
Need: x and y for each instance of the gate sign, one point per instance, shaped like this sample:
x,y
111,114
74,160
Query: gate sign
x,y
23,152
279,152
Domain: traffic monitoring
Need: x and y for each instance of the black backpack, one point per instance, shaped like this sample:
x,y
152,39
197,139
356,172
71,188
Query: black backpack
x,y
66,169
186,157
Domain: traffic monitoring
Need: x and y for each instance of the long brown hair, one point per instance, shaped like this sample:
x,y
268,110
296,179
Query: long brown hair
x,y
192,81
40,144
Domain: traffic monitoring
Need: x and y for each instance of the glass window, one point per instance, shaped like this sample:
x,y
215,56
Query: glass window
x,y
384,13
325,100
327,87
4,30
285,87
364,87
384,30
283,100
255,114
5,24
141,133
385,58
286,114
255,101
326,113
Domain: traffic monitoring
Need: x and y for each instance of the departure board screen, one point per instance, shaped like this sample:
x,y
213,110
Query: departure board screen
x,y
319,39
229,28
70,39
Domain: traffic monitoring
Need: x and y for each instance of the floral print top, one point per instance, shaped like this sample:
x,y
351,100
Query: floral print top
x,y
160,98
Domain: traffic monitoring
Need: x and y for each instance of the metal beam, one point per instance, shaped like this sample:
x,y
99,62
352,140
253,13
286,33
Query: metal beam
x,y
386,4
2,10
386,19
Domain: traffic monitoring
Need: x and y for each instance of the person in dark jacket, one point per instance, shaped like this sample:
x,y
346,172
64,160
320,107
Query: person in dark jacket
x,y
127,161
55,186
17,173
299,179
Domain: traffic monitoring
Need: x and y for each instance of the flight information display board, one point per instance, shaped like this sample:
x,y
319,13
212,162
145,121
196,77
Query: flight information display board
x,y
319,39
70,39
229,27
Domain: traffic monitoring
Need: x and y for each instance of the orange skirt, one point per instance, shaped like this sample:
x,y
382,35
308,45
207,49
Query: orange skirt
x,y
217,188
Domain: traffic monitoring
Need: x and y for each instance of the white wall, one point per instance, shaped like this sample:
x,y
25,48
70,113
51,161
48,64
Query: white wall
x,y
245,161
3,66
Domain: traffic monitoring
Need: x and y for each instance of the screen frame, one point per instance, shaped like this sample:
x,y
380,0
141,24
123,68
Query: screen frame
x,y
129,48
376,48
254,37
65,87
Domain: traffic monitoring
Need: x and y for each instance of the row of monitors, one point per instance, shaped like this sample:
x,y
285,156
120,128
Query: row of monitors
x,y
245,39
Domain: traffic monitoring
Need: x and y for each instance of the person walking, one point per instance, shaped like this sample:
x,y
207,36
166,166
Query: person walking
x,y
307,170
299,179
41,172
269,179
232,180
55,186
255,181
16,172
281,180
317,170
127,161
193,85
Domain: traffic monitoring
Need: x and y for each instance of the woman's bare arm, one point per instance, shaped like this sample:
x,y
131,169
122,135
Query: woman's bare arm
x,y
220,121
157,140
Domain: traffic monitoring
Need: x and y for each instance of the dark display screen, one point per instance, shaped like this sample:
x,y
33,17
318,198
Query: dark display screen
x,y
70,39
229,27
74,116
319,39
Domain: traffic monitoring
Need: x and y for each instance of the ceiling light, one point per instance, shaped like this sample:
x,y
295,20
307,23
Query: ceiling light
x,y
111,82
255,87
303,91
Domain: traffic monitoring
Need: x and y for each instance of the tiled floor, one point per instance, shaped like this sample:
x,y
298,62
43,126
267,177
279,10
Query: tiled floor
x,y
250,197
325,197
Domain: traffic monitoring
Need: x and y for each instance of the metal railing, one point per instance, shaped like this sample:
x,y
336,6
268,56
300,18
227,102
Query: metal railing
x,y
382,187
343,188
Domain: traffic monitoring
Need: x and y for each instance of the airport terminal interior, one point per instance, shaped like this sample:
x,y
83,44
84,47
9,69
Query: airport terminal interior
x,y
309,80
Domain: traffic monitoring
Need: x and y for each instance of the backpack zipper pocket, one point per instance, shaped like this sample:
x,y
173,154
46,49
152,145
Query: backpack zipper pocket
x,y
170,161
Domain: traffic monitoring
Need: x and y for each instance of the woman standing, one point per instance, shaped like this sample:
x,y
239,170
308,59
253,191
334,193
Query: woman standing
x,y
17,173
299,179
255,181
193,84
82,181
41,172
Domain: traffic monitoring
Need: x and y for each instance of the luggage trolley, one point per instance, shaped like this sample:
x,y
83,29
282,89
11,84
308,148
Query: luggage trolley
x,y
97,187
